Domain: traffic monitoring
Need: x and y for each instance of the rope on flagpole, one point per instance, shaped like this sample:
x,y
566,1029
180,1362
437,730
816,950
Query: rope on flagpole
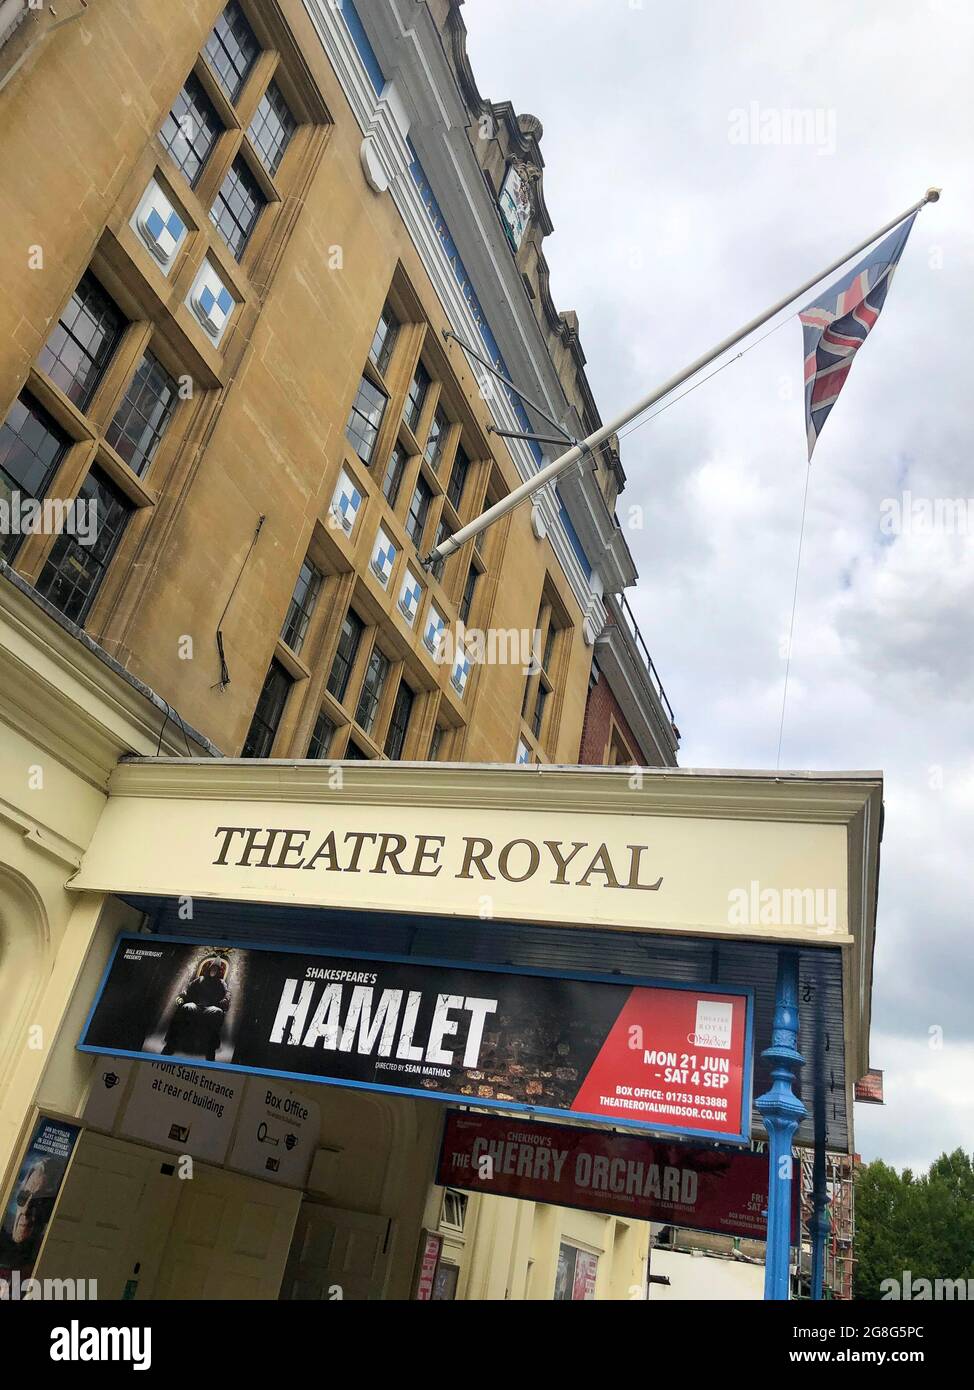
x,y
645,419
930,196
791,628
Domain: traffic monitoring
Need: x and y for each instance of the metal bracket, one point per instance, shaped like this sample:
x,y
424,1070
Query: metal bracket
x,y
528,400
521,434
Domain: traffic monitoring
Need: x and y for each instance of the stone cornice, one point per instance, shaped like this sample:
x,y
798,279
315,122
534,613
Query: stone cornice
x,y
41,836
385,152
598,530
824,798
59,688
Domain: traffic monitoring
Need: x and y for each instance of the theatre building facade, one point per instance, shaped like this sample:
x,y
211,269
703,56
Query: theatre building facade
x,y
327,969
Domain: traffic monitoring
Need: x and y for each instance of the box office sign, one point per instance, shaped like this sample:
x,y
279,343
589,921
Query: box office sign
x,y
277,1133
634,1176
660,1056
250,1124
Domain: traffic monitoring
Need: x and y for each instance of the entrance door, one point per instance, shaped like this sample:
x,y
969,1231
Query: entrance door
x,y
337,1254
230,1237
125,1219
113,1214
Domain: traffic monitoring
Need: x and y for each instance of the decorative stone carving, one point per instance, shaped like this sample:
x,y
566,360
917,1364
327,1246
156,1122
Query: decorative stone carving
x,y
384,152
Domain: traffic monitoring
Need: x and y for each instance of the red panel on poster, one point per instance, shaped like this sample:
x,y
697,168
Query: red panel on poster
x,y
616,1174
674,1058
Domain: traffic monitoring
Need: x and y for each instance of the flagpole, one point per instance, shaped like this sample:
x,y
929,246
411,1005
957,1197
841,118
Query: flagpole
x,y
560,465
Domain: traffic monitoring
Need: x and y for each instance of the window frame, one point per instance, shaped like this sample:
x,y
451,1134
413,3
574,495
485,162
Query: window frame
x,y
48,359
392,482
371,691
421,484
460,453
465,605
398,726
350,617
61,552
63,443
276,669
302,608
443,532
239,170
366,382
541,695
288,126
572,1273
157,433
198,102
439,431
215,39
453,1196
380,360
539,711
413,406
322,717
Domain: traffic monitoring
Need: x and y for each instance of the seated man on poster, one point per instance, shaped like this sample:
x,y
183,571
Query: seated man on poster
x,y
199,1013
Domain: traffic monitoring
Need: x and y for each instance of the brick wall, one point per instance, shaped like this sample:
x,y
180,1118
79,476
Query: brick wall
x,y
601,709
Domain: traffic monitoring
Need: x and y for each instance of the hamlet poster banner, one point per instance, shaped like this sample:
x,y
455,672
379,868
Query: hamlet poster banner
x,y
639,1053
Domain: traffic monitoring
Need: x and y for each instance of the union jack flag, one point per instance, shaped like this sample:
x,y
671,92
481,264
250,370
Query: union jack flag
x,y
836,326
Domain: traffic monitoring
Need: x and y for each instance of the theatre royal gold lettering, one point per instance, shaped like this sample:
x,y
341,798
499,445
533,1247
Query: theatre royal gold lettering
x,y
562,863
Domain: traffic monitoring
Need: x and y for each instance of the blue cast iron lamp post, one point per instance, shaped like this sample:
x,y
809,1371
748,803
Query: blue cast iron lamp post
x,y
782,1112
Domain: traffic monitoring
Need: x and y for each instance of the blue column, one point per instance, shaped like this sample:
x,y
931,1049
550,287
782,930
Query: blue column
x,y
782,1113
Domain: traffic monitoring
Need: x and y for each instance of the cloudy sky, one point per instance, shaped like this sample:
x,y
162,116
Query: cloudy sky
x,y
670,231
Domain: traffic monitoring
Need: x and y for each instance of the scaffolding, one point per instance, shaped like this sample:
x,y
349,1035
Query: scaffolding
x,y
839,1243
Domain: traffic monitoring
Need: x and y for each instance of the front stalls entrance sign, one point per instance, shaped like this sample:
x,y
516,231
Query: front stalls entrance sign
x,y
666,1057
